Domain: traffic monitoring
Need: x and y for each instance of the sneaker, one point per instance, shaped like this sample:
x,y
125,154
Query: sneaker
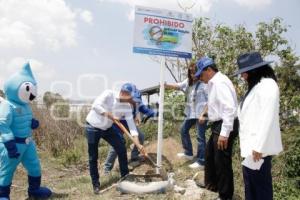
x,y
196,165
96,189
183,155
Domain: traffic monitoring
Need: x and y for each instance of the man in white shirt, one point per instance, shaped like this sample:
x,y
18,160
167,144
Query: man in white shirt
x,y
221,109
138,108
105,109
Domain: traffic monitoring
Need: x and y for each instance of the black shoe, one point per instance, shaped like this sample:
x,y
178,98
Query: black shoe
x,y
200,184
96,190
219,198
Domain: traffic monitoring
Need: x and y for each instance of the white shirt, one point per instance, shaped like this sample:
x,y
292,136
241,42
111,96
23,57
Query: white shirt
x,y
222,102
108,102
259,120
196,98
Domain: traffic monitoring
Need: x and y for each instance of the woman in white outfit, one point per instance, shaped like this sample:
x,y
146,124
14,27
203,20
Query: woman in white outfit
x,y
259,133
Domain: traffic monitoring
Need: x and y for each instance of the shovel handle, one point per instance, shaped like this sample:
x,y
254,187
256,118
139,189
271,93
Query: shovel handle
x,y
126,132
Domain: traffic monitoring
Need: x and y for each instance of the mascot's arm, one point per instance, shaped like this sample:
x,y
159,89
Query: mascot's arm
x,y
35,123
7,135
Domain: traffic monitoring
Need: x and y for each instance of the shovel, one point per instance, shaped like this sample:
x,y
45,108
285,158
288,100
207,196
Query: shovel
x,y
126,132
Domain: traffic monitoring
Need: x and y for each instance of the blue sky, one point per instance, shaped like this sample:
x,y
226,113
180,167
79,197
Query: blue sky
x,y
79,48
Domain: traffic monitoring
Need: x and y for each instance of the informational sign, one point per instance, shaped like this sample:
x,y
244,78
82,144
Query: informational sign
x,y
162,32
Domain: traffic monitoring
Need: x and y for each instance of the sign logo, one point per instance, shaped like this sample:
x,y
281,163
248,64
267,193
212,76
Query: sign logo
x,y
162,32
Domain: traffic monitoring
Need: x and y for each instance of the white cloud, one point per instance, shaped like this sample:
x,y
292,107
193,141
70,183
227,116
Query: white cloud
x,y
29,24
253,4
199,6
86,16
40,70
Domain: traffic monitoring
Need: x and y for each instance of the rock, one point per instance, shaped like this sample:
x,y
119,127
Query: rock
x,y
192,191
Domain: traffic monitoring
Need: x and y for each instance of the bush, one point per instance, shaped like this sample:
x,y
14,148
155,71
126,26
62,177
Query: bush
x,y
53,135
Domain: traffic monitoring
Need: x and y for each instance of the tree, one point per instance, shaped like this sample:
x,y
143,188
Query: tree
x,y
55,101
224,44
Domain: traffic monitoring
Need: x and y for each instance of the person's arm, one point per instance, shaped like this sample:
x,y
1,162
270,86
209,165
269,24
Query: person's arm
x,y
126,111
133,131
172,86
203,116
148,112
226,99
102,102
267,108
178,86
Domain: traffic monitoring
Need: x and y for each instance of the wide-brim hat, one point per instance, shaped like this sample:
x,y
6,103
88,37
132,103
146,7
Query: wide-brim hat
x,y
250,61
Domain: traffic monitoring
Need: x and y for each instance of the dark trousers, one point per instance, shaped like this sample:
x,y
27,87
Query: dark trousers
x,y
258,183
115,139
218,163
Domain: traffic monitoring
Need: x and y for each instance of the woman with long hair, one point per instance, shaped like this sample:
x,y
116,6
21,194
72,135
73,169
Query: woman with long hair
x,y
259,133
196,99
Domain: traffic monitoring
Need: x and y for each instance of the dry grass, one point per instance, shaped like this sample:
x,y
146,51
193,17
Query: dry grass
x,y
55,136
73,182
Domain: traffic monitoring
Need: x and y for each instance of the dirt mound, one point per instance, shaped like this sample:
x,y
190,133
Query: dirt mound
x,y
169,158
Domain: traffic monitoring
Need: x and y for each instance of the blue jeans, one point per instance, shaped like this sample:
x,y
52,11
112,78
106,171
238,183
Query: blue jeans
x,y
186,139
112,155
115,139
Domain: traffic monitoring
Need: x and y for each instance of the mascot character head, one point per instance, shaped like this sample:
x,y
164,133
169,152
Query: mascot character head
x,y
21,88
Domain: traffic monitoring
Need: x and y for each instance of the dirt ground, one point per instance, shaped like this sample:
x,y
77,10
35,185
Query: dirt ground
x,y
74,182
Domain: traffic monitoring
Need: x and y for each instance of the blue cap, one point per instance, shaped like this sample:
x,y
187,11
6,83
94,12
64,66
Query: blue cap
x,y
137,96
133,91
202,63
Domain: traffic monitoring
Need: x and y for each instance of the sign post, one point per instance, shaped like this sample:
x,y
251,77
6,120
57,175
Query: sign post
x,y
165,33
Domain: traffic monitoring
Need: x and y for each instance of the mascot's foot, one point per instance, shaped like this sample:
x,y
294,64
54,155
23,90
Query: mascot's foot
x,y
4,192
35,190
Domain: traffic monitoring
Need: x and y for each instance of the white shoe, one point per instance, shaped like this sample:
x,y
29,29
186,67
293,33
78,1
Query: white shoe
x,y
196,165
183,155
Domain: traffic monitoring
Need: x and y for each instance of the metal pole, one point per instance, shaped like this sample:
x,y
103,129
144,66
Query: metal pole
x,y
161,113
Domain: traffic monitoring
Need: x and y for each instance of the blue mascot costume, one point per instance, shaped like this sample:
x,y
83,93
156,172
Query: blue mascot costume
x,y
16,125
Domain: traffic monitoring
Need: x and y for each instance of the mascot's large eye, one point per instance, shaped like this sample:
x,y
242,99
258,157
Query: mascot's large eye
x,y
27,92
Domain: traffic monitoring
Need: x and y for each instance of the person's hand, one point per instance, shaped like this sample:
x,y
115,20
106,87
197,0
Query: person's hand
x,y
166,85
110,116
142,150
137,120
145,119
202,119
256,156
222,142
